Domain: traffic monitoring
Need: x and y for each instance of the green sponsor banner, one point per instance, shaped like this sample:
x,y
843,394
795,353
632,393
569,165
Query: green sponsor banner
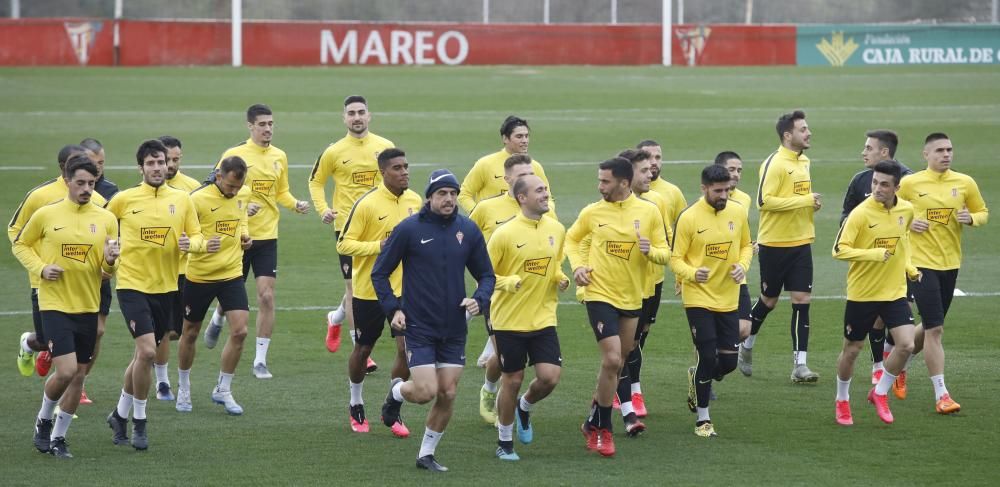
x,y
864,44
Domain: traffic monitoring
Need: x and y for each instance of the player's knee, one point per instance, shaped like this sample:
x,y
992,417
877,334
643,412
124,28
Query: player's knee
x,y
612,362
238,333
144,353
548,380
800,298
67,371
905,347
726,363
265,296
446,395
513,381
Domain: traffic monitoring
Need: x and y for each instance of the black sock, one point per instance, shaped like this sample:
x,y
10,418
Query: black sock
x,y
523,415
800,327
758,314
506,445
642,339
605,414
595,415
705,372
635,364
624,391
877,340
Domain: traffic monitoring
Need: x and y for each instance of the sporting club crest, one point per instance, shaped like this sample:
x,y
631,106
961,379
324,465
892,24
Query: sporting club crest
x,y
459,235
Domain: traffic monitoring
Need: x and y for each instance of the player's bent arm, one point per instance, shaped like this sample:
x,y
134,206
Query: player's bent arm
x,y
387,262
976,205
350,245
23,248
482,271
746,248
682,240
471,186
495,248
659,250
574,237
317,184
284,195
776,203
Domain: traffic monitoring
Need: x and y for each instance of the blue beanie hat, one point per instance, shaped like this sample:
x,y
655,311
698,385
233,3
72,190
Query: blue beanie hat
x,y
441,178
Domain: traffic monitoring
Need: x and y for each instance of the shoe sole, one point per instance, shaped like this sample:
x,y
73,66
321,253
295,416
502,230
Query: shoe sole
x,y
805,380
183,409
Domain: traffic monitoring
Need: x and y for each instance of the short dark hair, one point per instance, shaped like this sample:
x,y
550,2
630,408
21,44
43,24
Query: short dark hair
x,y
936,136
620,168
387,155
634,155
887,138
257,110
723,157
170,142
714,173
148,148
234,165
647,143
891,168
786,123
91,144
515,160
68,151
77,162
510,123
520,187
355,99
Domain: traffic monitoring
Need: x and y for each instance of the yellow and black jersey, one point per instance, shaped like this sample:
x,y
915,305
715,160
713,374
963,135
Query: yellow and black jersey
x,y
655,274
494,211
372,219
150,222
867,233
267,178
71,236
716,240
742,198
619,268
785,201
222,217
672,195
527,259
485,180
183,182
937,198
353,165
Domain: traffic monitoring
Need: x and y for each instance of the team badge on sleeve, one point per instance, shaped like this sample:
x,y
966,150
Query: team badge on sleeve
x,y
459,235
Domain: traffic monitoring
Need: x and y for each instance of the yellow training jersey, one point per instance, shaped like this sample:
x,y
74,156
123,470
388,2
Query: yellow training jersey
x,y
527,259
619,268
353,164
71,236
716,240
44,194
655,274
741,198
150,220
485,180
267,178
867,233
494,211
223,217
672,195
186,184
937,197
784,198
370,222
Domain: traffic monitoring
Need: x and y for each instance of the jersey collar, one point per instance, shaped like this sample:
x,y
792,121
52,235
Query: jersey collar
x,y
789,154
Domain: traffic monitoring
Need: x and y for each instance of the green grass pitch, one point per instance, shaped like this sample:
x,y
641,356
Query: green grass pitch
x,y
295,429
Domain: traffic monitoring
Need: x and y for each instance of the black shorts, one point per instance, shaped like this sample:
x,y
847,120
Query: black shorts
x,y
71,333
198,297
650,307
859,316
933,295
369,322
515,348
723,328
604,318
262,258
346,262
105,308
147,313
744,308
177,323
790,268
36,317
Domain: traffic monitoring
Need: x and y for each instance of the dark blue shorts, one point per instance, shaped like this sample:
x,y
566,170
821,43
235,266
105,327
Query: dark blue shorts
x,y
422,351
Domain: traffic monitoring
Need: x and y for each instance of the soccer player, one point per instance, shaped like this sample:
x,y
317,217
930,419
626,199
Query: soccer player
x,y
435,247
222,213
787,203
267,177
156,224
369,224
734,164
625,234
880,145
670,192
944,201
711,253
68,244
177,180
527,255
352,164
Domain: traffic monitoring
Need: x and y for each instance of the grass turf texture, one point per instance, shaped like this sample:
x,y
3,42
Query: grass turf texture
x,y
295,429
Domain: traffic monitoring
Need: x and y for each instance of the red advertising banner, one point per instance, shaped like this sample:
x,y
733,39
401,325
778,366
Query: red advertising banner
x,y
54,42
733,45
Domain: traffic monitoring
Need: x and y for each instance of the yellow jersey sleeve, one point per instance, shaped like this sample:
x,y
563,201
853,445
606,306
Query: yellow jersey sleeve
x,y
322,170
468,195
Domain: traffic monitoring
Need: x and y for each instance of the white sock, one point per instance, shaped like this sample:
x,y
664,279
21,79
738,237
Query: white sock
x,y
397,392
161,373
627,408
262,344
490,387
48,407
63,419
225,381
525,405
939,388
356,397
843,389
748,343
882,388
887,348
139,409
25,347
703,414
429,443
877,366
124,404
506,432
184,379
636,388
799,358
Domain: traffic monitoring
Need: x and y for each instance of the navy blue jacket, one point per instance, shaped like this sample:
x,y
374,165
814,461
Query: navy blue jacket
x,y
860,189
435,251
105,188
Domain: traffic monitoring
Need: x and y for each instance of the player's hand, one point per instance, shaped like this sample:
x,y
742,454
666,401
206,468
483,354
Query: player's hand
x,y
246,242
381,243
817,201
213,245
470,305
963,216
398,322
252,209
701,275
302,206
756,248
518,285
329,216
111,250
105,276
643,243
184,243
919,226
51,272
738,273
885,258
677,288
581,275
563,285
920,276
